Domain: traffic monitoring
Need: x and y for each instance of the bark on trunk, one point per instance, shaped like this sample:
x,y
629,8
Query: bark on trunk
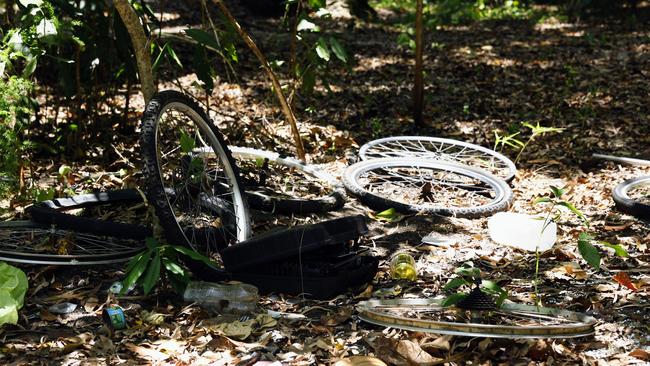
x,y
139,42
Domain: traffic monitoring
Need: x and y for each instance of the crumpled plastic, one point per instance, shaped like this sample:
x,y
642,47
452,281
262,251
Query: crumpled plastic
x,y
13,286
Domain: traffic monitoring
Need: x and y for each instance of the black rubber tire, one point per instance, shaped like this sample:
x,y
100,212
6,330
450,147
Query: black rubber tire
x,y
18,238
52,212
291,206
154,181
628,205
501,202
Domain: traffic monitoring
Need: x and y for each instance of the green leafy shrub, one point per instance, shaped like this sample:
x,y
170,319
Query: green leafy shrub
x,y
13,286
16,109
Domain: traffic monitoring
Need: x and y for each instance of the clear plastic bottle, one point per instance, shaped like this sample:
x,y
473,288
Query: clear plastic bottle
x,y
223,298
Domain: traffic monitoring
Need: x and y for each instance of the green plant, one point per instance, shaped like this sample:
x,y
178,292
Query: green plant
x,y
160,261
13,286
313,52
511,139
466,276
16,110
587,250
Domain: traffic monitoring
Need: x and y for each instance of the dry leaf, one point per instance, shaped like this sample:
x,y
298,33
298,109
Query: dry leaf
x,y
47,316
341,315
151,317
640,354
360,361
440,344
146,352
414,354
624,279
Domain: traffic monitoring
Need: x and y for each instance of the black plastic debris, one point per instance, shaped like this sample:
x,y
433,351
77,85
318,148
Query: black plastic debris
x,y
319,260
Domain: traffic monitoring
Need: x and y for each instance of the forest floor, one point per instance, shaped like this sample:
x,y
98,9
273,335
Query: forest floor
x,y
591,78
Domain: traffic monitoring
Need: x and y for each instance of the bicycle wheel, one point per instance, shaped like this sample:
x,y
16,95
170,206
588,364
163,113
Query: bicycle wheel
x,y
33,243
53,212
436,148
428,186
285,185
633,197
508,321
198,197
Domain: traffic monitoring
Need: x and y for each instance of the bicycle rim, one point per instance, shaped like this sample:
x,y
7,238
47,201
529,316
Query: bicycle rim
x,y
286,185
441,149
28,242
416,185
509,321
198,197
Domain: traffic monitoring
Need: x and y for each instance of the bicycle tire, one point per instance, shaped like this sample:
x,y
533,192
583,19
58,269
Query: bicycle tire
x,y
227,221
573,324
502,193
441,149
259,200
27,242
630,205
52,212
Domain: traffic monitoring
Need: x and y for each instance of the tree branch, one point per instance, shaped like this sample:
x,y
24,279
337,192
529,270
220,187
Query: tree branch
x,y
286,109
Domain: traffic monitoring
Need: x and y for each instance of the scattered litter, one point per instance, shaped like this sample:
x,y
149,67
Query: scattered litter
x,y
223,298
282,315
522,231
402,267
439,240
114,317
62,308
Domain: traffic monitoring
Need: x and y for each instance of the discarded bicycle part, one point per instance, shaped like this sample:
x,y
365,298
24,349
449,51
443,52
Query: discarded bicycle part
x,y
441,149
522,231
622,159
198,197
29,242
633,197
319,260
286,185
53,212
325,239
508,321
316,278
427,186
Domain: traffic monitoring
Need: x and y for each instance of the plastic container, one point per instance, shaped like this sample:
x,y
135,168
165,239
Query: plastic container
x,y
522,231
114,317
402,266
222,298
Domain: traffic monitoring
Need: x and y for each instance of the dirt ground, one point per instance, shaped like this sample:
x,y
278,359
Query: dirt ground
x,y
590,78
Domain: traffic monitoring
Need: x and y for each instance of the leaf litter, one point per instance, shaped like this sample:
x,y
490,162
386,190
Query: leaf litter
x,y
505,73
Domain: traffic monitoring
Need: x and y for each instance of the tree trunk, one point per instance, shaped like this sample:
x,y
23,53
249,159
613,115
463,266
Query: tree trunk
x,y
418,87
139,42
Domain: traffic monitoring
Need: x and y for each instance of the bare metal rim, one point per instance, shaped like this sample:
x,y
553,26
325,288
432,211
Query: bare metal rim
x,y
370,150
578,324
